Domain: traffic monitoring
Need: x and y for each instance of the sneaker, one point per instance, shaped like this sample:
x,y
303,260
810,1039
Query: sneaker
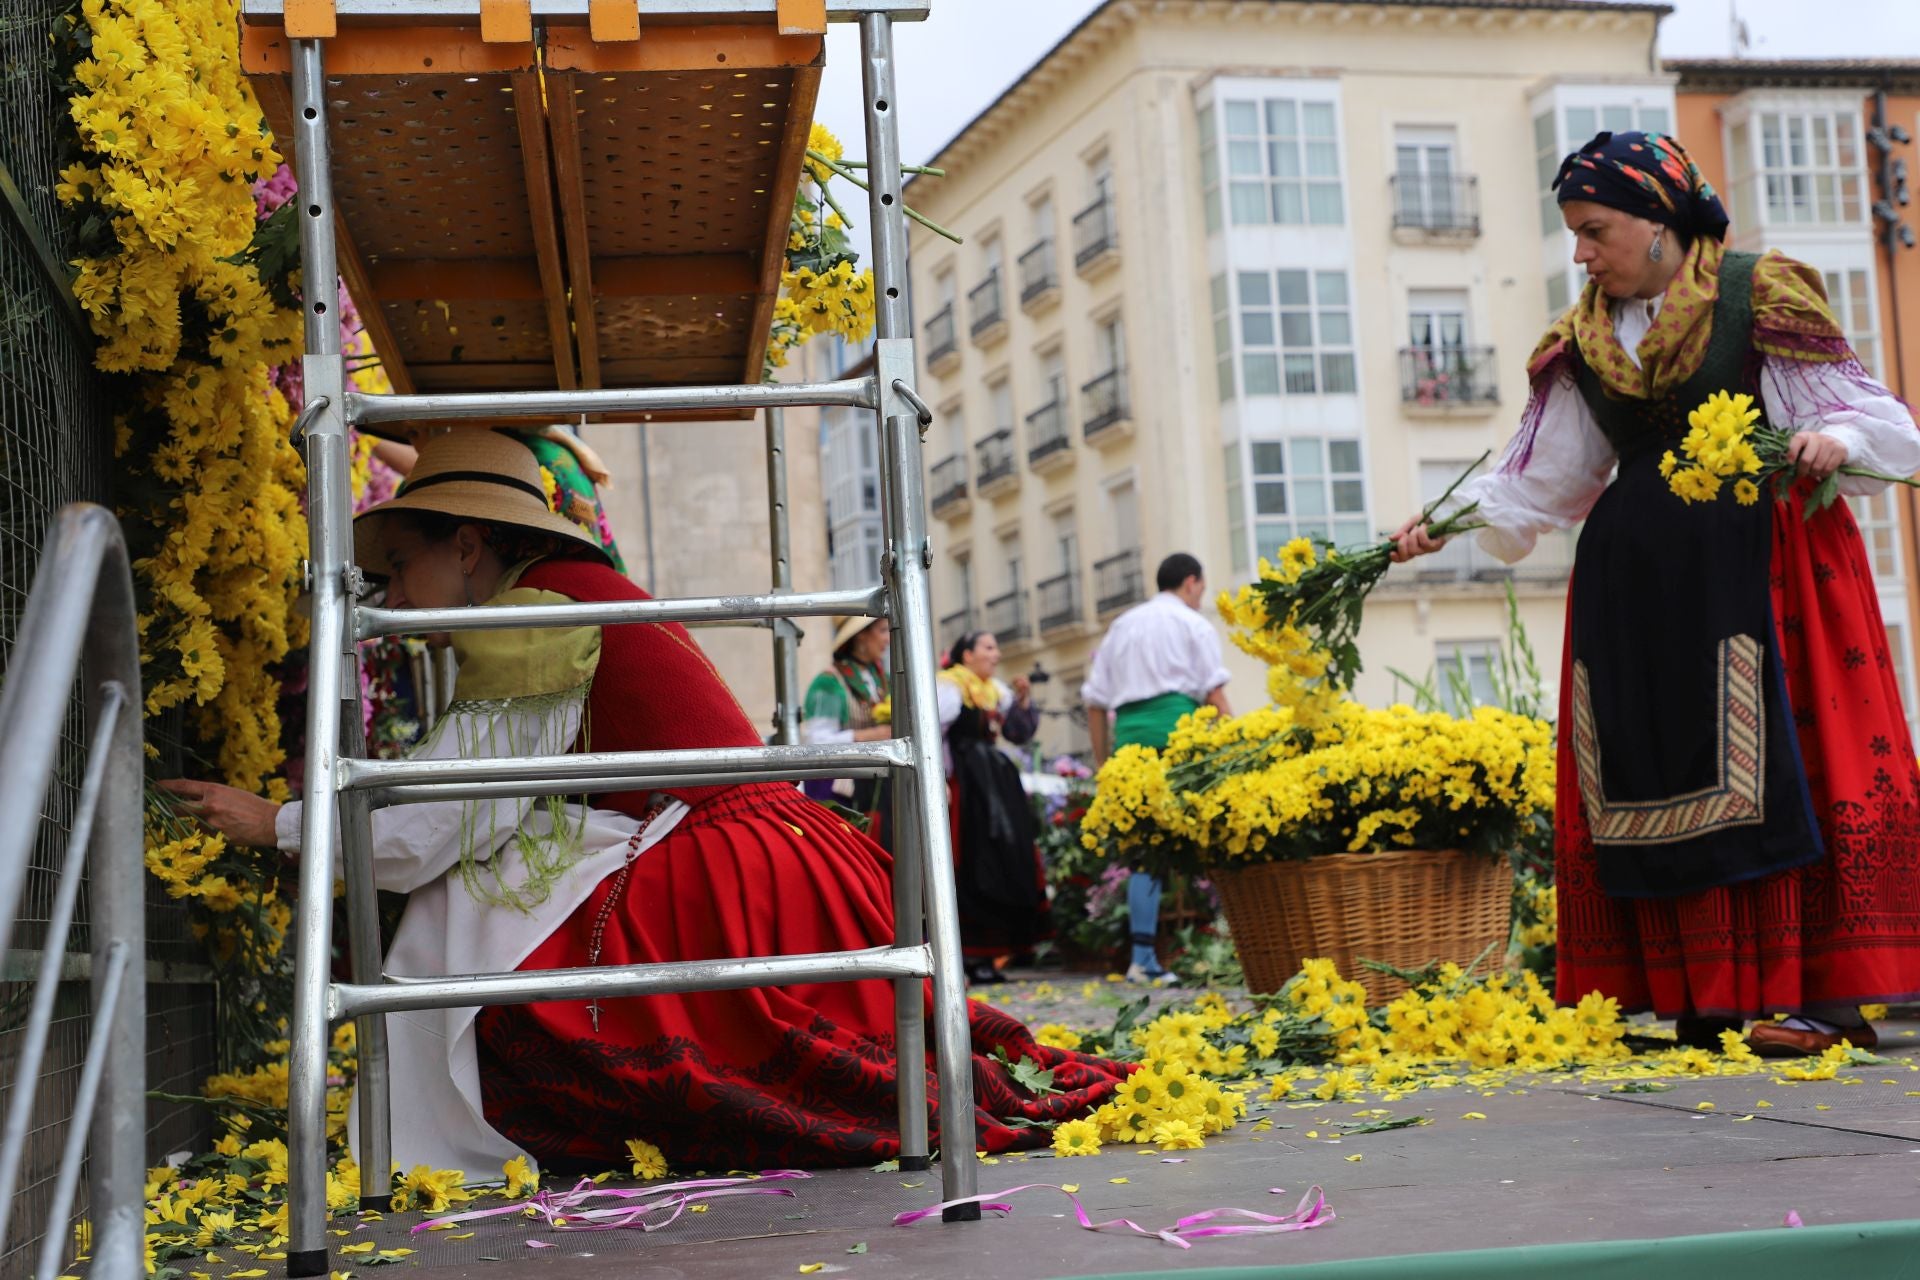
x,y
1140,975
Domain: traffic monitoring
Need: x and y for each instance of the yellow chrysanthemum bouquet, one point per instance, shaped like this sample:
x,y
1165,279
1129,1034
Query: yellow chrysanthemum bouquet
x,y
1728,447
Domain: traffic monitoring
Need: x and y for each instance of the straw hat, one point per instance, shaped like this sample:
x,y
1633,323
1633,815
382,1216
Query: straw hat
x,y
476,475
845,629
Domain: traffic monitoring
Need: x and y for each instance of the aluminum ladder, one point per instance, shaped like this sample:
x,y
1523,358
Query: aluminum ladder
x,y
342,785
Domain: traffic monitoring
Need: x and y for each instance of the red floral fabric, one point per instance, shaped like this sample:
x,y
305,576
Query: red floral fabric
x,y
786,1076
1843,930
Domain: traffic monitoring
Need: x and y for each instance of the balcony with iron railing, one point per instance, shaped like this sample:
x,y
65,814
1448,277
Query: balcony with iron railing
x,y
1442,206
943,345
1096,238
1118,582
988,317
1059,599
953,626
994,470
1448,378
947,485
1006,616
1039,276
1109,415
1049,442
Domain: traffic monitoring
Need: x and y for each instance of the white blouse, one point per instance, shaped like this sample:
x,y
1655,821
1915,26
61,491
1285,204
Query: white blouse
x,y
437,1114
1572,460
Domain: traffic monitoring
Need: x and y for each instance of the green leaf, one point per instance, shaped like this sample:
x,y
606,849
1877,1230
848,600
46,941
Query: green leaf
x,y
887,1166
1382,1126
1823,496
858,1248
1027,1074
1642,1086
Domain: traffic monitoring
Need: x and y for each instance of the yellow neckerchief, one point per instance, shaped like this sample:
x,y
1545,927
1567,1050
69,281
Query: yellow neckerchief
x,y
975,691
1791,321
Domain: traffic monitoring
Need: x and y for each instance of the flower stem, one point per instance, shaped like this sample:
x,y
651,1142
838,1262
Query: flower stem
x,y
855,179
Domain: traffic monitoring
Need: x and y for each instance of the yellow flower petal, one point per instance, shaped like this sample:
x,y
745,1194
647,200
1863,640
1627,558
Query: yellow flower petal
x,y
1117,1181
1353,1159
1069,1187
365,1246
1474,1115
808,1268
1704,1106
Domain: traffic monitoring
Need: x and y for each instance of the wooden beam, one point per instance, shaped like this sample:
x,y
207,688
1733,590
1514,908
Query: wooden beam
x,y
388,51
366,300
780,201
310,20
536,159
668,48
506,21
801,17
563,122
613,20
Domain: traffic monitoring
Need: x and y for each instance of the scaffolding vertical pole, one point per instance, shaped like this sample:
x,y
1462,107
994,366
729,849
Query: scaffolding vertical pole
x,y
372,1093
928,842
329,512
786,636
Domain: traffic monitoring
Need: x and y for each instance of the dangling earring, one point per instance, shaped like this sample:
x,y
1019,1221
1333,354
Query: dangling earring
x,y
1658,249
466,583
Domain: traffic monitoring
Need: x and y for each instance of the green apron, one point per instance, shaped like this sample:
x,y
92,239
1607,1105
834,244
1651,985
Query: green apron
x,y
1150,722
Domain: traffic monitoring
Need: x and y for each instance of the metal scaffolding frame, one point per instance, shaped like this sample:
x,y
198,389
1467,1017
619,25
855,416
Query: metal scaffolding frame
x,y
342,786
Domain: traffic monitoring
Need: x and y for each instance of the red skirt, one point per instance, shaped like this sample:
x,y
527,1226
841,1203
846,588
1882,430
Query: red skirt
x,y
1844,930
776,1076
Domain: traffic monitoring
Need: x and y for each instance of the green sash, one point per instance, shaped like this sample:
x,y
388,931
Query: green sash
x,y
1150,722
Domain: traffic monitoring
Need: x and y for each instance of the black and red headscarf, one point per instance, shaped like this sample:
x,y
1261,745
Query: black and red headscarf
x,y
1648,175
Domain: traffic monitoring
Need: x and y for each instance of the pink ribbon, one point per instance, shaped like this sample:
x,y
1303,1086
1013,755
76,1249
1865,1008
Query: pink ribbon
x,y
566,1211
1312,1212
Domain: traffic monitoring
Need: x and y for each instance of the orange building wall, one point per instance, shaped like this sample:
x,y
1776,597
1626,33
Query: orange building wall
x,y
1697,122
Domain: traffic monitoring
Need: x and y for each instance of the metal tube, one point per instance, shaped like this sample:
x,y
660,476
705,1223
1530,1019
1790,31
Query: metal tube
x,y
909,557
364,409
46,987
537,786
110,988
867,601
372,1085
330,508
712,765
786,640
611,981
952,1032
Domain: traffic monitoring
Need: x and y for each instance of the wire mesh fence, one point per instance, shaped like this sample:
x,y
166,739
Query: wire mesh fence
x,y
55,444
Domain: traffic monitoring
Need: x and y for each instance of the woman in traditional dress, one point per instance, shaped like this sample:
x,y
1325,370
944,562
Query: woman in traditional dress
x,y
848,702
1002,880
1739,817
794,1075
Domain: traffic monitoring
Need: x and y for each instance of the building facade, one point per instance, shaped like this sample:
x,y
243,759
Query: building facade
x,y
1797,148
1240,270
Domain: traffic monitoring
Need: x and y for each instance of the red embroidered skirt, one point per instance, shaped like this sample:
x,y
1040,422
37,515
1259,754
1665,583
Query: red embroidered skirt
x,y
779,1076
1843,930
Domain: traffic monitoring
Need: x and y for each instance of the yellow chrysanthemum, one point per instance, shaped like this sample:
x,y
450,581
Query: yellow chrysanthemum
x,y
648,1161
1077,1138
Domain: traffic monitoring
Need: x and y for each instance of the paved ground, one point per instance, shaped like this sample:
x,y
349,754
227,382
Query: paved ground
x,y
1551,1162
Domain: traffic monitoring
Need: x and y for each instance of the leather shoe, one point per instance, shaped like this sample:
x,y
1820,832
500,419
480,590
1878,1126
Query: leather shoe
x,y
1778,1040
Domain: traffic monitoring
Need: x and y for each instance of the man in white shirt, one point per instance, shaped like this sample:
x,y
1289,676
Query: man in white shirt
x,y
1160,660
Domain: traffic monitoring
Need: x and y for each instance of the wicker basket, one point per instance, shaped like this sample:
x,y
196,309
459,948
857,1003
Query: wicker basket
x,y
1404,909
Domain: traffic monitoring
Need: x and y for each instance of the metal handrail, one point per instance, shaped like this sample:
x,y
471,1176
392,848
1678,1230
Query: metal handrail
x,y
866,602
364,409
81,613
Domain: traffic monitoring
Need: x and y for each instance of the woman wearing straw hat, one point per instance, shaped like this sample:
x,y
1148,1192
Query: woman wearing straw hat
x,y
848,702
765,1077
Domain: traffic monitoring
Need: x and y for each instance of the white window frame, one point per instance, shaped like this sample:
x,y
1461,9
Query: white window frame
x,y
1287,145
1274,316
1796,161
1300,485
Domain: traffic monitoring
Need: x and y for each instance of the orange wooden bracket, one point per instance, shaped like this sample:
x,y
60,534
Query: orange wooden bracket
x,y
310,20
802,17
613,21
506,21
